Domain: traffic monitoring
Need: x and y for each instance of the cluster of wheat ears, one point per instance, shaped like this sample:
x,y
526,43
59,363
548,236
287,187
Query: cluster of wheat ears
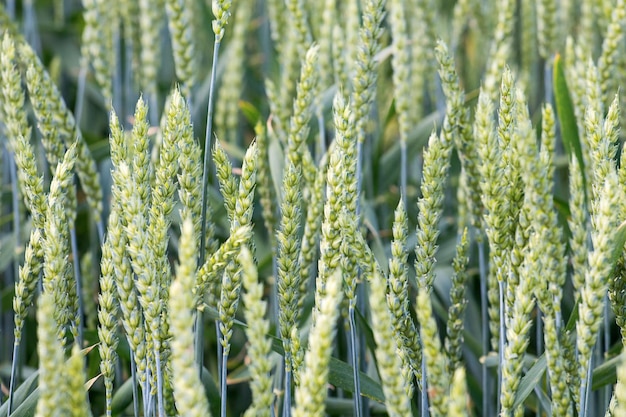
x,y
440,204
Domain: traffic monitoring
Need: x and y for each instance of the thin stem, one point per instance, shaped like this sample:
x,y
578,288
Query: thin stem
x,y
287,402
218,335
354,346
133,373
159,371
11,9
403,172
501,340
16,353
30,26
117,75
100,229
205,186
80,92
145,390
539,347
584,391
358,343
322,135
274,292
485,321
278,385
17,232
547,80
128,91
223,382
79,286
199,337
606,346
424,393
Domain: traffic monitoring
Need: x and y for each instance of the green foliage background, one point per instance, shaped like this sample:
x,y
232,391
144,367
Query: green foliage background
x,y
540,39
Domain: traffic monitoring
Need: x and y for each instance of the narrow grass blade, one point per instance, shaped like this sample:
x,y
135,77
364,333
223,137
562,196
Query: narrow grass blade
x,y
566,115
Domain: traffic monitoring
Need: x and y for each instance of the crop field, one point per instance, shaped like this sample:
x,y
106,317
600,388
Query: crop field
x,y
299,208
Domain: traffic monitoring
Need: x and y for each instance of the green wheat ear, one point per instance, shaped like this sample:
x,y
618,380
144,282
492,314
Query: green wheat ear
x,y
188,392
58,128
183,45
52,387
395,385
312,391
257,330
107,318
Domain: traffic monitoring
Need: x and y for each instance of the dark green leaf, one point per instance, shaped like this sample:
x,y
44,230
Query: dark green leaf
x,y
251,113
22,394
389,169
606,374
566,115
530,381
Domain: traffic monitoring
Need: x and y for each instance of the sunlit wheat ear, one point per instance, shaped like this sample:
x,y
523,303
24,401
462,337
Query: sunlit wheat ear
x,y
142,261
312,227
242,216
302,106
210,274
596,279
330,236
401,64
231,87
287,259
436,361
183,46
56,279
601,150
578,223
610,50
190,176
276,22
97,44
188,392
107,318
51,384
78,401
492,194
265,185
312,391
458,303
365,74
512,110
221,11
435,174
394,384
132,314
151,20
228,182
458,119
19,134
140,163
460,17
546,27
128,11
500,49
398,295
259,347
325,41
18,131
27,283
619,397
58,128
459,401
162,204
